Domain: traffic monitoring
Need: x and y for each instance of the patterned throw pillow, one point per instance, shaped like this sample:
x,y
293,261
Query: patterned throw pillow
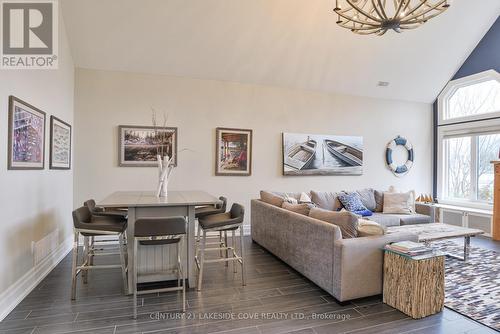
x,y
352,202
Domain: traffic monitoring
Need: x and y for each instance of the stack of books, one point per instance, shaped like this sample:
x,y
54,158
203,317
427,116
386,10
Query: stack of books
x,y
409,248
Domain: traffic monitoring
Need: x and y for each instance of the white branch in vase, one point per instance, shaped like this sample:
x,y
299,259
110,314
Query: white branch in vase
x,y
165,169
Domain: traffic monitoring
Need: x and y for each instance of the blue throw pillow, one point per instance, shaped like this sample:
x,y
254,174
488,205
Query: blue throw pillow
x,y
363,213
352,202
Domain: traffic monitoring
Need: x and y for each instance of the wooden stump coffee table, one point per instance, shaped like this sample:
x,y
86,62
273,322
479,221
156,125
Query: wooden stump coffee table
x,y
439,231
414,285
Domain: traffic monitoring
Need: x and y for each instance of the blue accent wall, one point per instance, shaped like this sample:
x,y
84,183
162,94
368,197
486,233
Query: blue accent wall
x,y
485,56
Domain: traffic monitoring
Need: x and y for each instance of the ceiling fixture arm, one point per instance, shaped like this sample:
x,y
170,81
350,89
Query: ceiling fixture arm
x,y
435,7
361,11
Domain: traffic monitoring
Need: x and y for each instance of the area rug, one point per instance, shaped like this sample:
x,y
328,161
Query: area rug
x,y
473,288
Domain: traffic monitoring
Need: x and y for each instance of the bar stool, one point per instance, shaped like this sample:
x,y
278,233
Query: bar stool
x,y
88,225
91,242
222,222
204,211
161,231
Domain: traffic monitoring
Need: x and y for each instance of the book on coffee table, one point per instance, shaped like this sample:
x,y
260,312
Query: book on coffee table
x,y
409,248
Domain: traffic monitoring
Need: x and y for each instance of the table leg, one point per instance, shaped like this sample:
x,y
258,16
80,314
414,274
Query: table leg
x,y
191,272
465,256
130,249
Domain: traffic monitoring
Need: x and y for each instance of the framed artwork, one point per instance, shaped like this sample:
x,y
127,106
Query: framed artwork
x,y
60,144
233,152
138,146
306,154
26,136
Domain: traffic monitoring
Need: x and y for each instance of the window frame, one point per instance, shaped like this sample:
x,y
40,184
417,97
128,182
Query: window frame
x,y
474,125
453,86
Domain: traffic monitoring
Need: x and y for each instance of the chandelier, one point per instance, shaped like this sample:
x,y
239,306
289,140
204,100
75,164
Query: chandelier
x,y
366,17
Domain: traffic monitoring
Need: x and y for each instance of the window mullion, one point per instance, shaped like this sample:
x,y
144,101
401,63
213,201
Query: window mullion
x,y
474,168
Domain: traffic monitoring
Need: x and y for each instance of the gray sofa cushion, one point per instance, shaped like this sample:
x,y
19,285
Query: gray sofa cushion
x,y
368,198
346,221
385,220
415,218
326,200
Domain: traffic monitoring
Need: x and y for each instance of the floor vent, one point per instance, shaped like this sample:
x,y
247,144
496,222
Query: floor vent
x,y
44,247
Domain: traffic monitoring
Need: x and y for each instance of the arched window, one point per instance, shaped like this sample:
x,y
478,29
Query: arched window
x,y
468,139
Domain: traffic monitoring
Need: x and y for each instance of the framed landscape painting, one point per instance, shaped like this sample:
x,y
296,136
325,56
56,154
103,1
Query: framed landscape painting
x,y
306,154
26,136
233,152
140,145
60,144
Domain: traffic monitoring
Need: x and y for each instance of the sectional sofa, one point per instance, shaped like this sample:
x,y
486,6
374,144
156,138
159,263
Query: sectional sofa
x,y
346,268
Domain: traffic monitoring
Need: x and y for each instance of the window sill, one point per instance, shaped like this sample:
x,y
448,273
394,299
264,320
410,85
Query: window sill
x,y
467,204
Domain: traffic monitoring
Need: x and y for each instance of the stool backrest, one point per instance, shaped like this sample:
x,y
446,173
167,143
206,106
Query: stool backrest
x,y
151,227
222,206
81,215
237,211
90,204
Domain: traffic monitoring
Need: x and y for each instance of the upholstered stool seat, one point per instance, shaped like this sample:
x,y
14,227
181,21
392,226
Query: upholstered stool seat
x,y
224,220
102,223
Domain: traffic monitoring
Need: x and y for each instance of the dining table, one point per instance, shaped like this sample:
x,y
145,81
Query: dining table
x,y
155,262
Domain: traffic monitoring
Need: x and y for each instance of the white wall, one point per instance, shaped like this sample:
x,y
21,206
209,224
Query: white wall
x,y
34,203
106,99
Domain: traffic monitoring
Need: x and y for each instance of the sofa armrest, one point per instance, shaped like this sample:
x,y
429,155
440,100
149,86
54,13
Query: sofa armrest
x,y
425,209
358,265
304,243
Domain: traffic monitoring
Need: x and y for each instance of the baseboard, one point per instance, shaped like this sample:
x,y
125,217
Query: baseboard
x,y
11,297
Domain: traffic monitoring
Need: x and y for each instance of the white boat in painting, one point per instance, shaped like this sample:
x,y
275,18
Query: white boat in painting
x,y
300,156
347,154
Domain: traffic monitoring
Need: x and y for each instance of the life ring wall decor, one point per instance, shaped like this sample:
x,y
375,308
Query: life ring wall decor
x,y
399,170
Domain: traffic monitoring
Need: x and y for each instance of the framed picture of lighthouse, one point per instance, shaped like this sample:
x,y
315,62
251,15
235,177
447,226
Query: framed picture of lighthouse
x,y
307,154
26,136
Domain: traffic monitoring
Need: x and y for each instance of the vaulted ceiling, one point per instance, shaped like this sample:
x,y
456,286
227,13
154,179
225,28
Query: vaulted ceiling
x,y
290,43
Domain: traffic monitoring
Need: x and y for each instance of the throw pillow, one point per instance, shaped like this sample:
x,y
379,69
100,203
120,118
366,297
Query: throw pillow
x,y
411,200
270,198
326,200
398,203
303,208
379,200
304,198
352,202
368,228
368,198
290,199
295,195
346,221
363,213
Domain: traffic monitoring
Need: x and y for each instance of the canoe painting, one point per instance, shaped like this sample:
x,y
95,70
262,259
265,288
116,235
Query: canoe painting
x,y
348,154
309,154
301,155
